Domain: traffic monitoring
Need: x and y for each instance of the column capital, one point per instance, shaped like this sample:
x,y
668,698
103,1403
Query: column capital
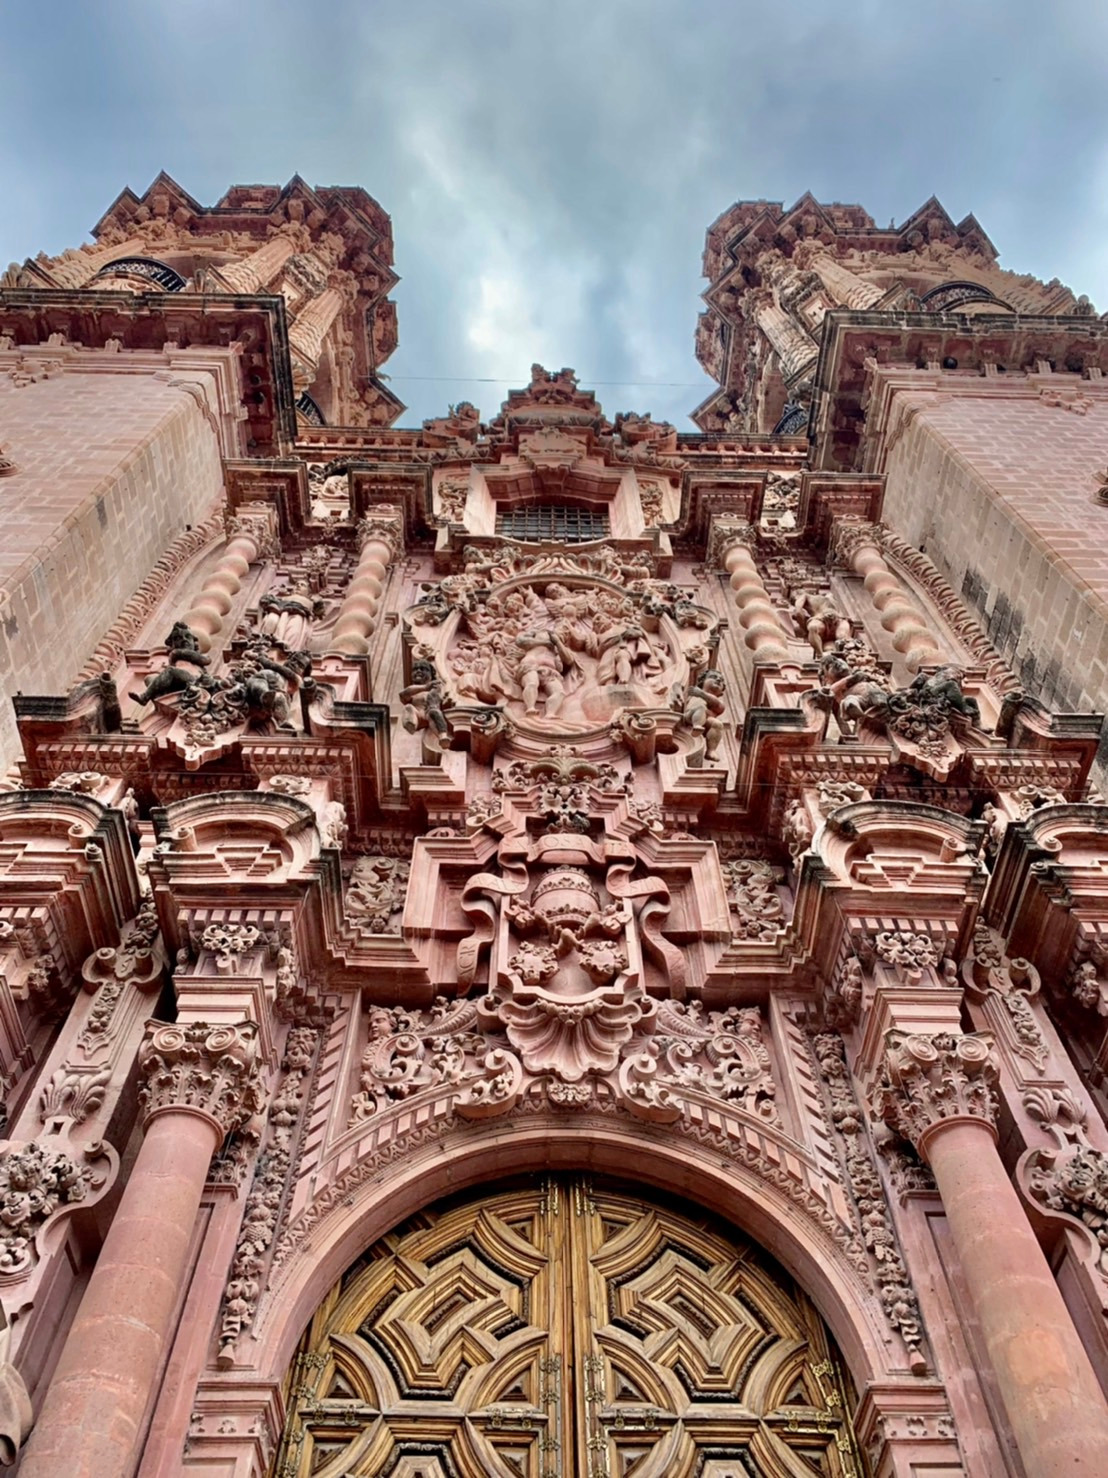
x,y
212,1071
725,534
931,1080
384,523
848,536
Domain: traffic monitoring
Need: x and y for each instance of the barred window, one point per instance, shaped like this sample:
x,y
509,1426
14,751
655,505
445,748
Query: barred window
x,y
550,523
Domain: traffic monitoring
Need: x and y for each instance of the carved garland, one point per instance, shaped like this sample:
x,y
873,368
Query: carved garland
x,y
267,1194
874,1223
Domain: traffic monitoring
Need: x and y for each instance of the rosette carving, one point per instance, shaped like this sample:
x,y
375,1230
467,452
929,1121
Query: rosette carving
x,y
212,1070
929,1080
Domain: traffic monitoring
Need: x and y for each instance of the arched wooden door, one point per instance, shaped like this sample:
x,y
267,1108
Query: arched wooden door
x,y
568,1330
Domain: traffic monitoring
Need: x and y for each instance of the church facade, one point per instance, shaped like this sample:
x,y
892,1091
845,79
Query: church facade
x,y
548,946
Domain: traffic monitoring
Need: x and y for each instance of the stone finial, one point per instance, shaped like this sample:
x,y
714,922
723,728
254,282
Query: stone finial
x,y
209,1070
931,1080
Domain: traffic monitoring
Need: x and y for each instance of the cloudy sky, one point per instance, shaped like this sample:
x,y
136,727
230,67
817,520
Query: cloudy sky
x,y
550,168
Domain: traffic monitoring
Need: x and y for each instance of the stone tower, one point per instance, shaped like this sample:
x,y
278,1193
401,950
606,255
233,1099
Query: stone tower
x,y
544,945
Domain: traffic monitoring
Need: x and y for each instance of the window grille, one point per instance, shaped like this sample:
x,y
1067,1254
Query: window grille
x,y
550,523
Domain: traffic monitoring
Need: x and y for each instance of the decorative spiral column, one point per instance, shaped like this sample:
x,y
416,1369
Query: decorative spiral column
x,y
763,633
311,325
938,1092
251,535
858,545
201,1083
380,539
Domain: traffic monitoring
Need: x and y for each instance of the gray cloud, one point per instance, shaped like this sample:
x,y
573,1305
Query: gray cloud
x,y
551,167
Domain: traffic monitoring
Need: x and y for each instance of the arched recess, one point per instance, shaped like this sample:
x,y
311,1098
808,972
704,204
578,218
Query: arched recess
x,y
367,1198
567,1324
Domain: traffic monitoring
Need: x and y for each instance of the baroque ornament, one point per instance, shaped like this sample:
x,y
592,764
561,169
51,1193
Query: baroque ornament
x,y
36,1181
874,1221
262,1211
211,1070
930,1080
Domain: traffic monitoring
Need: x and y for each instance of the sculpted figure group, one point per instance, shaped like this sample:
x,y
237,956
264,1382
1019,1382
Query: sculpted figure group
x,y
539,645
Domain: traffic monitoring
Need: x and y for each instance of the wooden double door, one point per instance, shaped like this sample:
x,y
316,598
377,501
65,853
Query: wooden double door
x,y
566,1329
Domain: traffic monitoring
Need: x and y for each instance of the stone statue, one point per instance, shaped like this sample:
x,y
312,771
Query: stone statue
x,y
184,647
542,667
853,694
819,618
702,707
627,655
424,698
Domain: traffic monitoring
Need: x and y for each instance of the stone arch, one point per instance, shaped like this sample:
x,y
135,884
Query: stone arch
x,y
432,1166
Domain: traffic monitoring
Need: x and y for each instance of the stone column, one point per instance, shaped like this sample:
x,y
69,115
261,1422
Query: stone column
x,y
78,268
253,274
845,286
858,545
795,350
938,1092
251,535
309,329
201,1082
380,539
763,631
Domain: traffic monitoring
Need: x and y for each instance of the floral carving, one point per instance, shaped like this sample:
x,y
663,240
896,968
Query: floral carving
x,y
907,953
229,942
376,892
137,961
756,909
410,1051
263,1205
875,1226
1074,1184
716,1053
928,1080
35,1182
212,1070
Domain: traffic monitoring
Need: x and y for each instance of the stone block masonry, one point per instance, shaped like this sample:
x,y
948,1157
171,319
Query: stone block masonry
x,y
999,489
110,468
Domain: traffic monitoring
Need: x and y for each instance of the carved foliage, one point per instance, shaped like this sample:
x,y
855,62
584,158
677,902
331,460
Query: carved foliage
x,y
36,1181
874,1221
930,1079
212,1070
756,909
263,1205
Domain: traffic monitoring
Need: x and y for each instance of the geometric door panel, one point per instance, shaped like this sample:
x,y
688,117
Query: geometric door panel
x,y
566,1329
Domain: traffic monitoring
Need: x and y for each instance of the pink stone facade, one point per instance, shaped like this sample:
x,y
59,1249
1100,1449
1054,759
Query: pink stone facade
x,y
396,812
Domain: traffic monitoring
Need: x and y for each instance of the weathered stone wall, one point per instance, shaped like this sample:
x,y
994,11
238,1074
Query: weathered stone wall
x,y
999,490
111,467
